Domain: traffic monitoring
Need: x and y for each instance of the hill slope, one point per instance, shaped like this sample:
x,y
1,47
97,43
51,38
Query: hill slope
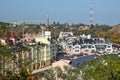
x,y
115,30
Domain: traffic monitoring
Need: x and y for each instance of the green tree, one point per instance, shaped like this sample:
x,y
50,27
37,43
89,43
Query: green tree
x,y
4,31
58,72
49,74
102,34
71,73
5,55
102,68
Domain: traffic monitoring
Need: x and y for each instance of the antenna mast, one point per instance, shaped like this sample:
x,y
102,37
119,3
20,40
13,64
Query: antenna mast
x,y
91,13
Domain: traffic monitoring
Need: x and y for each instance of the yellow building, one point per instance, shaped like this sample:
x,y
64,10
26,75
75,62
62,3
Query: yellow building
x,y
38,55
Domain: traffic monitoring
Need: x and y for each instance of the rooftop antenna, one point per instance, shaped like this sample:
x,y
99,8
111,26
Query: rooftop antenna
x,y
91,13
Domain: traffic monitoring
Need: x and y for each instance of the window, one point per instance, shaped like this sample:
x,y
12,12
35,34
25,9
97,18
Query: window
x,y
76,50
108,49
76,46
86,50
108,46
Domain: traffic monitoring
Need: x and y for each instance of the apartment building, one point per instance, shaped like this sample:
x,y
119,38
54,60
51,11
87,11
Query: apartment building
x,y
88,45
65,34
34,54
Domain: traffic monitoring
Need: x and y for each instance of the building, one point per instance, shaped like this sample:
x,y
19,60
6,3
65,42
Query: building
x,y
54,49
85,36
87,45
84,28
45,52
35,54
65,34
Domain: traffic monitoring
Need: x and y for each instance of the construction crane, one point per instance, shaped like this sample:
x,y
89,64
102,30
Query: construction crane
x,y
22,23
28,21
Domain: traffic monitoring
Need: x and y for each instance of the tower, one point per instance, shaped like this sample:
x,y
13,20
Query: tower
x,y
91,13
23,29
47,23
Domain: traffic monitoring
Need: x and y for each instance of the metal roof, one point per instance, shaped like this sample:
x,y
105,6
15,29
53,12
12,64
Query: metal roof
x,y
77,61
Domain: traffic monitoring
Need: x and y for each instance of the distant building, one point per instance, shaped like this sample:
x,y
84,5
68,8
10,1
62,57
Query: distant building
x,y
11,39
85,36
65,34
116,47
84,28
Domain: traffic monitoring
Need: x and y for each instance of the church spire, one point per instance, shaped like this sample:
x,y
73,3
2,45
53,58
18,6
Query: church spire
x,y
47,22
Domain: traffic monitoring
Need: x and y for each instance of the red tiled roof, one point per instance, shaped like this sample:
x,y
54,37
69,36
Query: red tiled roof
x,y
12,35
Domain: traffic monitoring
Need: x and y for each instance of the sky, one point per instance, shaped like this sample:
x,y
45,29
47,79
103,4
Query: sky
x,y
70,11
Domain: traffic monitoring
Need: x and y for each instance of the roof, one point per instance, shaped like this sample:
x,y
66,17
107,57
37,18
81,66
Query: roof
x,y
12,35
116,45
66,33
27,38
90,41
80,41
81,60
61,63
40,70
42,40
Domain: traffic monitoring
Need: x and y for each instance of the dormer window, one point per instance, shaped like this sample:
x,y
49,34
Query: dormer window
x,y
76,50
76,46
108,46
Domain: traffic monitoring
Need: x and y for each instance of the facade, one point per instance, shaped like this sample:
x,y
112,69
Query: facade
x,y
65,34
45,52
39,53
84,28
88,45
116,47
85,36
54,49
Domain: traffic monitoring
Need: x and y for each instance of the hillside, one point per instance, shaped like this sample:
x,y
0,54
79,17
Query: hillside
x,y
114,34
115,30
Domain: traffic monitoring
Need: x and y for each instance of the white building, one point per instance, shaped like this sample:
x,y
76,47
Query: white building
x,y
65,34
88,45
